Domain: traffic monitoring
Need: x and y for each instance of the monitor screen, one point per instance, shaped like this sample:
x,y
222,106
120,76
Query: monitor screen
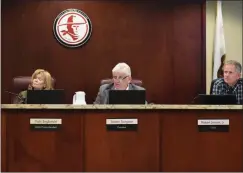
x,y
127,97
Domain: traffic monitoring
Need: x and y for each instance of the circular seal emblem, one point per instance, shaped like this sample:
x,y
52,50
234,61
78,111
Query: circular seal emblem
x,y
72,28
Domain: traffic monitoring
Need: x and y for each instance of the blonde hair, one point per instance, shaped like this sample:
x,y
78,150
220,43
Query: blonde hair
x,y
122,67
47,79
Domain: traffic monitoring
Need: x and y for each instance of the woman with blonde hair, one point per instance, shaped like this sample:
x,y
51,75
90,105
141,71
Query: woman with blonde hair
x,y
40,80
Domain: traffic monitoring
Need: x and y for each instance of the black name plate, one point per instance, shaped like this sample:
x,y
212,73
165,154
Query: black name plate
x,y
45,124
213,125
116,124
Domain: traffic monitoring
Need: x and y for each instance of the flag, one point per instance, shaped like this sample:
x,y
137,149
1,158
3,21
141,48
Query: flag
x,y
219,44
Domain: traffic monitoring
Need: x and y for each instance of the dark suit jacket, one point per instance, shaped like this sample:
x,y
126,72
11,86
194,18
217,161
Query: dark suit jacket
x,y
103,95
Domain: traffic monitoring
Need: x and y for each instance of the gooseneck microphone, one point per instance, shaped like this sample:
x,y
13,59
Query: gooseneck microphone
x,y
21,98
195,99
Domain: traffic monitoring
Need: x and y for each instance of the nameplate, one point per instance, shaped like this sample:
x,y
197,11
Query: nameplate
x,y
45,124
213,125
116,124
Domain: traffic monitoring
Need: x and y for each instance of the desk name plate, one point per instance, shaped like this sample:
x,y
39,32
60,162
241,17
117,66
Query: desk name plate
x,y
45,124
213,125
116,124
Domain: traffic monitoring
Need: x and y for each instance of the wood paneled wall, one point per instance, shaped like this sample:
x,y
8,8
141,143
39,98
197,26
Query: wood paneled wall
x,y
164,43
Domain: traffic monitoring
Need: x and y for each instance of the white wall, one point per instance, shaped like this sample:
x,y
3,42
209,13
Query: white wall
x,y
232,18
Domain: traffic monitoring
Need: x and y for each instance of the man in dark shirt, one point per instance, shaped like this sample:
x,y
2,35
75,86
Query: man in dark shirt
x,y
231,83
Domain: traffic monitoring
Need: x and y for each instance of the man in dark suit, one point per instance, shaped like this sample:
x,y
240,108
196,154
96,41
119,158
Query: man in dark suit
x,y
121,81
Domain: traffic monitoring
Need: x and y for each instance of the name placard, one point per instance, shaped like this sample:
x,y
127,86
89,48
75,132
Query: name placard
x,y
213,125
45,124
116,124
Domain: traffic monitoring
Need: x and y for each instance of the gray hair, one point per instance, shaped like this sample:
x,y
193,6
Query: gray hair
x,y
122,67
236,64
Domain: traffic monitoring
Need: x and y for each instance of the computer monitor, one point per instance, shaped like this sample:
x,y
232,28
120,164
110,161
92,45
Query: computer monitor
x,y
45,96
127,97
229,99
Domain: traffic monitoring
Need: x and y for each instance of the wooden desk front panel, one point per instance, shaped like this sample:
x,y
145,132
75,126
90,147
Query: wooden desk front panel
x,y
165,141
42,151
122,151
185,149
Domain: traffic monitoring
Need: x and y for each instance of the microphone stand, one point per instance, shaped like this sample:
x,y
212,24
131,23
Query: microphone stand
x,y
21,98
193,101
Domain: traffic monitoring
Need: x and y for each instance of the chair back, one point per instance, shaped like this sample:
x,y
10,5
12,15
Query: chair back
x,y
211,86
21,83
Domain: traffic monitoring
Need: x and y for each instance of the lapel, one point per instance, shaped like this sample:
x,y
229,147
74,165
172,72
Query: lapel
x,y
130,87
106,94
106,97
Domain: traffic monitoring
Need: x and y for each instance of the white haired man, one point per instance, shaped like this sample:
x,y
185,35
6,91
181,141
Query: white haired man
x,y
121,81
231,83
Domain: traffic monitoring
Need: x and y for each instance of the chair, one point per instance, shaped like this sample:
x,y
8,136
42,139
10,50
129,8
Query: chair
x,y
21,83
109,81
211,86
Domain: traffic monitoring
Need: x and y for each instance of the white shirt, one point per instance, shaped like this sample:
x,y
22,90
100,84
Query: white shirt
x,y
126,88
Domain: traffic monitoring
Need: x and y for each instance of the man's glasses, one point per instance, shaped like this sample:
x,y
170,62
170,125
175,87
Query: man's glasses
x,y
119,78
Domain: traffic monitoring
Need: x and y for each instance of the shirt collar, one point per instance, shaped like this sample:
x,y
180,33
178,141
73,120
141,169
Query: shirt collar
x,y
233,87
126,88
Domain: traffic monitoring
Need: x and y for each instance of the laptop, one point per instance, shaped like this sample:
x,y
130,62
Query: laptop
x,y
127,97
45,96
229,99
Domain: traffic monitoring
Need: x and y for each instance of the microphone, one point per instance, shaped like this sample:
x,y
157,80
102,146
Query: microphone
x,y
194,99
21,98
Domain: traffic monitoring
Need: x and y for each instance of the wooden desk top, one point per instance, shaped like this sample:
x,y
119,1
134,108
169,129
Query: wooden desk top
x,y
141,107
